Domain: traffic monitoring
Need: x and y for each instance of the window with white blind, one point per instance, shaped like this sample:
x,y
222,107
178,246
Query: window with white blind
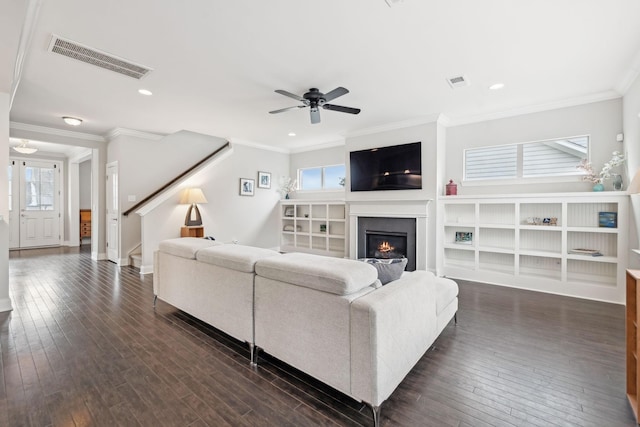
x,y
553,157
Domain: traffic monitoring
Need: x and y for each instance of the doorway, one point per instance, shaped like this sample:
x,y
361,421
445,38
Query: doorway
x,y
34,203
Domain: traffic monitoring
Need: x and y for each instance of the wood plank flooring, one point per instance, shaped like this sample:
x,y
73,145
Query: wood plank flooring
x,y
84,347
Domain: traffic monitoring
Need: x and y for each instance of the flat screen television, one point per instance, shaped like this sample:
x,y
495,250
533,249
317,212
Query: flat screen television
x,y
397,167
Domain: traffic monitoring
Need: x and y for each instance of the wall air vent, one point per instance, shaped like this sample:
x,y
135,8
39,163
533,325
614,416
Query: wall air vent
x,y
458,81
97,57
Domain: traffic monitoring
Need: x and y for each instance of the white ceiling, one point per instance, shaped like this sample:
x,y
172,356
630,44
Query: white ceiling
x,y
217,63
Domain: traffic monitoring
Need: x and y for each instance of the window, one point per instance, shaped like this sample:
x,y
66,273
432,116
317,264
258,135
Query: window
x,y
39,188
554,157
322,178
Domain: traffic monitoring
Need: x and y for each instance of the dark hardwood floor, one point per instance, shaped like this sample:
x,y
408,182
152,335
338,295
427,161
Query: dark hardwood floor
x,y
83,346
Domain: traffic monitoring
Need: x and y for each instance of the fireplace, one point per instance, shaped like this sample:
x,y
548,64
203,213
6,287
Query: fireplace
x,y
386,244
385,237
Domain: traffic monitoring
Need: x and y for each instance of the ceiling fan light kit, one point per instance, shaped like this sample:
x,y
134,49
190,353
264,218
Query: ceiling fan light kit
x,y
314,99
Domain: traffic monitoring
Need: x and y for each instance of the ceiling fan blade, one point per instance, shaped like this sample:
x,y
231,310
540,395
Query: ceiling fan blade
x,y
315,116
286,109
339,91
341,109
289,94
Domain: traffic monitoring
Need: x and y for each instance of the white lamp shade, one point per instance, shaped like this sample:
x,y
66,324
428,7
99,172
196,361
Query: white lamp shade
x,y
193,195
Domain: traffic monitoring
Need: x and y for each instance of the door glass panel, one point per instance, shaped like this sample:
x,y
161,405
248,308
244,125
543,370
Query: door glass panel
x,y
39,188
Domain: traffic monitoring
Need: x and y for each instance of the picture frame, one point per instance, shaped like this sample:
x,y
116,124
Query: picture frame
x,y
247,186
264,179
288,211
464,237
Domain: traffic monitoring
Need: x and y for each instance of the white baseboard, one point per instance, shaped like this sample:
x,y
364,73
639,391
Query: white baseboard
x,y
5,304
99,256
123,262
146,269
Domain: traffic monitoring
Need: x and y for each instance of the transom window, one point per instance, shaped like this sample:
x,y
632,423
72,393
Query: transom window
x,y
553,157
321,178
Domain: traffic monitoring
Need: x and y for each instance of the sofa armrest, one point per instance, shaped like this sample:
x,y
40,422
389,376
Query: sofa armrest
x,y
391,329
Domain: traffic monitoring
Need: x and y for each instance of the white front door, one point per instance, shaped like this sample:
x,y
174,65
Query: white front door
x,y
39,203
113,213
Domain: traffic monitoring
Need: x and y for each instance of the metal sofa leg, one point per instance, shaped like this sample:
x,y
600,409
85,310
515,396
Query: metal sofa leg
x,y
376,415
254,355
455,318
155,299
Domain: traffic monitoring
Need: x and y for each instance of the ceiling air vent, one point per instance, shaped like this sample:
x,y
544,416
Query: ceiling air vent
x,y
97,57
458,81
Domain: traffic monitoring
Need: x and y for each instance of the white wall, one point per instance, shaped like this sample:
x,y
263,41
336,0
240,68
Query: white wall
x,y
5,301
316,158
227,216
631,123
84,170
145,164
601,120
428,135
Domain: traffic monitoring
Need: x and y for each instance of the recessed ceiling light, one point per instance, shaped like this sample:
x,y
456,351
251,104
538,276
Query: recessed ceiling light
x,y
496,86
145,92
72,121
292,134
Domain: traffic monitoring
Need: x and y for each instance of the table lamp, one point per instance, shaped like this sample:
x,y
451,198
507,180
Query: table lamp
x,y
192,196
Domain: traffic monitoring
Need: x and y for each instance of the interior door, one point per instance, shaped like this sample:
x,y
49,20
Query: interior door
x,y
39,203
113,213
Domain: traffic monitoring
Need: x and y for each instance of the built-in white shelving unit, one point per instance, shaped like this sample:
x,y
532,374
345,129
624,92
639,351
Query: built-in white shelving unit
x,y
313,226
511,245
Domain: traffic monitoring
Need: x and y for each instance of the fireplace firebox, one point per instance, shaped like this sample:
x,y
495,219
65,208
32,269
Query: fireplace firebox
x,y
385,237
386,244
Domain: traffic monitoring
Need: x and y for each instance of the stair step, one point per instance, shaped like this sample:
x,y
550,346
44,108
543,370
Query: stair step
x,y
136,260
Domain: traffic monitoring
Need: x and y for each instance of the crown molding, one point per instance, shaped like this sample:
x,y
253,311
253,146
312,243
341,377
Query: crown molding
x,y
630,76
429,118
114,133
258,145
321,146
572,102
54,131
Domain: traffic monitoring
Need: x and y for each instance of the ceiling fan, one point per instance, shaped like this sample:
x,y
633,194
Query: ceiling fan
x,y
314,99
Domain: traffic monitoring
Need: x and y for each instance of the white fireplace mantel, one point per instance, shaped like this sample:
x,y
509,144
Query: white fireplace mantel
x,y
417,209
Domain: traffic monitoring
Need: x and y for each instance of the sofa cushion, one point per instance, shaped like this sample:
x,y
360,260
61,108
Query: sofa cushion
x,y
334,275
388,269
447,291
185,247
235,257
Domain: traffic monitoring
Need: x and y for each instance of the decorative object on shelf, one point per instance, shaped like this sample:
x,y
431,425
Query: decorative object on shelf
x,y
341,181
323,228
583,251
192,196
288,211
264,180
608,219
551,221
617,159
451,188
287,186
247,186
464,237
617,182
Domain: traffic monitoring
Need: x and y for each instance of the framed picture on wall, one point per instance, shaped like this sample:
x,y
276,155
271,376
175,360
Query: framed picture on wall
x,y
247,186
264,180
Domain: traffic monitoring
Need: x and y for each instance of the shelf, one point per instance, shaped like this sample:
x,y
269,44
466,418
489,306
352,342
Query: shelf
x,y
541,227
308,217
508,249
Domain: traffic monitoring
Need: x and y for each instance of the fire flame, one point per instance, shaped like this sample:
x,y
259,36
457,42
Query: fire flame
x,y
385,247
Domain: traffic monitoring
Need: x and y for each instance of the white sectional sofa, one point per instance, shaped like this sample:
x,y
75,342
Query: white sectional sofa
x,y
328,317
